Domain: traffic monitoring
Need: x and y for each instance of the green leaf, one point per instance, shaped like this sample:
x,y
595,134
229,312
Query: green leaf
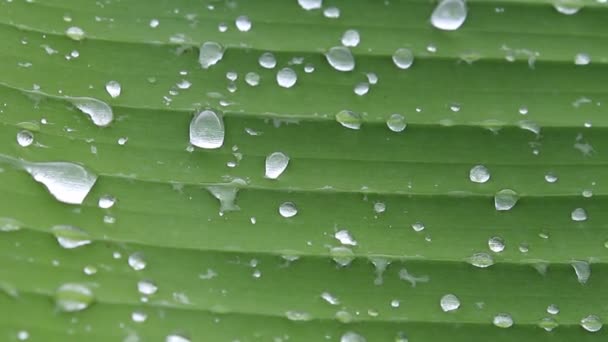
x,y
374,229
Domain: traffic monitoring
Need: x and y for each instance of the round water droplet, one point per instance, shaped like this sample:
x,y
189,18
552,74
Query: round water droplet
x,y
418,226
146,287
243,23
310,4
340,58
503,320
154,23
568,7
276,163
75,33
106,201
449,302
252,79
591,323
349,119
267,60
578,215
351,38
70,237
550,177
210,54
23,335
331,12
286,78
505,199
25,138
71,297
479,174
403,58
552,309
548,323
341,255
449,15
345,238
379,207
496,244
361,88
137,261
207,130
481,260
113,88
351,336
288,209
176,338
139,316
396,123
90,270
582,59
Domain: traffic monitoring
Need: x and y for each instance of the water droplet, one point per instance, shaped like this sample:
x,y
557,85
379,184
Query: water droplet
x,y
582,59
90,270
503,320
449,302
310,4
345,238
591,323
23,335
113,88
548,323
154,23
341,255
71,297
349,119
351,38
106,201
176,338
396,123
243,23
67,182
479,174
267,60
331,12
298,316
481,260
568,7
25,138
372,78
139,316
207,130
379,207
226,194
340,58
308,68
505,199
523,110
329,298
137,261
552,309
146,287
9,224
75,33
578,215
288,209
100,112
350,336
403,58
550,177
286,78
449,15
361,88
401,337
70,237
496,244
418,226
252,79
210,54
582,270
276,163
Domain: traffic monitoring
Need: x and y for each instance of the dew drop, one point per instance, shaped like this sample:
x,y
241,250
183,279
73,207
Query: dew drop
x,y
582,269
106,201
288,209
331,12
100,112
23,335
67,182
552,309
329,298
351,336
481,260
340,58
591,323
70,237
286,78
146,287
345,237
71,297
568,7
548,323
226,193
75,33
396,123
379,207
267,60
418,226
505,199
351,38
479,174
449,302
449,15
139,316
582,59
403,58
578,215
210,54
361,88
310,4
207,130
276,163
243,23
252,79
496,244
25,138
113,88
341,255
176,338
550,178
137,261
154,23
503,320
349,119
9,224
298,316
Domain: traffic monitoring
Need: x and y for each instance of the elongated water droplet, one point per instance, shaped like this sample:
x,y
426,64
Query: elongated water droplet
x,y
207,130
351,38
591,323
67,182
210,54
137,261
226,193
345,237
286,78
75,33
341,255
351,336
582,270
113,88
276,163
403,58
139,316
9,224
481,260
70,237
329,298
479,174
418,226
449,302
505,199
340,58
503,320
146,287
100,112
71,297
288,209
396,123
310,4
349,119
298,316
578,215
449,15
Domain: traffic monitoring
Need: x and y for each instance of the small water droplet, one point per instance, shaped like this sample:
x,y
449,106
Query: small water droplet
x,y
146,287
70,237
71,297
286,78
568,7
345,237
90,270
505,199
23,335
276,163
503,320
550,177
310,4
578,215
331,12
329,298
341,255
361,88
243,23
403,58
449,302
479,174
351,38
379,207
176,338
496,244
75,33
25,138
552,309
288,209
481,260
349,119
591,323
449,15
418,226
9,224
548,323
207,130
154,23
582,59
226,193
106,201
582,269
139,316
252,79
267,60
351,336
396,123
113,88
340,58
137,261
298,316
210,54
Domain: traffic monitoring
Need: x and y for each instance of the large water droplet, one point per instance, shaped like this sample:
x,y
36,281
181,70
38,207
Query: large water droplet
x,y
243,23
75,33
343,256
340,58
267,60
396,123
113,88
578,215
310,4
210,54
100,112
286,78
503,320
496,244
71,297
207,130
449,14
568,7
288,209
345,237
351,38
505,199
349,119
67,182
25,138
479,174
591,323
226,194
403,58
276,163
70,237
481,260
351,336
449,302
